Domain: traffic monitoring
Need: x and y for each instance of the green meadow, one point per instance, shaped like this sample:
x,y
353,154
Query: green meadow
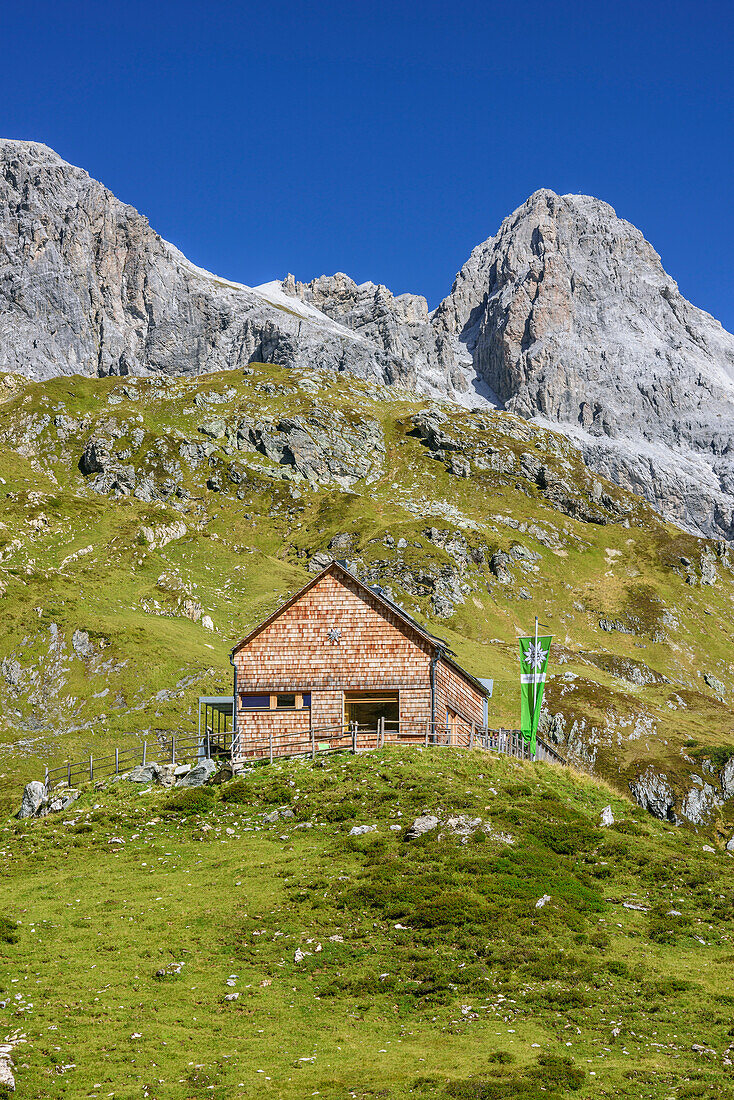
x,y
366,966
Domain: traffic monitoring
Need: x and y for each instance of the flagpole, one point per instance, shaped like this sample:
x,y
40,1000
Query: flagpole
x,y
535,685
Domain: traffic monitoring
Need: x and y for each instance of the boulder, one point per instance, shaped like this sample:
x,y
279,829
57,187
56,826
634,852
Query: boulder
x,y
34,799
424,824
360,830
463,825
200,774
607,817
145,773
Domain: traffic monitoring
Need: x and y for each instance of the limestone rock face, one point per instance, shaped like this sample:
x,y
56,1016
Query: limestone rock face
x,y
568,315
87,287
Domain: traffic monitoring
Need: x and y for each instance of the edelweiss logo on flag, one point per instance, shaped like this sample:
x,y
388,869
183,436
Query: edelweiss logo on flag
x,y
536,655
533,664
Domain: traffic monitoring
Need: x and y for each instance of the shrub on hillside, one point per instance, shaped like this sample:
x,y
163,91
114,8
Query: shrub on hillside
x,y
238,791
8,930
190,800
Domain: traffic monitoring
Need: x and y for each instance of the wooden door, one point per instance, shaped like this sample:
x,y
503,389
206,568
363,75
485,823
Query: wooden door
x,y
452,726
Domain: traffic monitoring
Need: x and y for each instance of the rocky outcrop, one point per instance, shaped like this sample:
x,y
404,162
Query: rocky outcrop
x,y
654,793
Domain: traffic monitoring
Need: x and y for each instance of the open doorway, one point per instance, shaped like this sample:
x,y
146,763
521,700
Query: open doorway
x,y
366,708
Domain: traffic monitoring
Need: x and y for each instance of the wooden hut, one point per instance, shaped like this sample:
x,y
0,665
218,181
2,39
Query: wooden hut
x,y
339,662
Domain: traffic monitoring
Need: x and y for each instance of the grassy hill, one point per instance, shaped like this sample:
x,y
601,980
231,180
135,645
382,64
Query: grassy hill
x,y
208,500
367,966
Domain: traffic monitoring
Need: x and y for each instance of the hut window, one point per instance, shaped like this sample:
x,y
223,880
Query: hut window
x,y
366,708
255,702
306,697
286,701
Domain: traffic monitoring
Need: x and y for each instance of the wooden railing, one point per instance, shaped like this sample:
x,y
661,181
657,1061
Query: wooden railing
x,y
353,738
174,749
179,749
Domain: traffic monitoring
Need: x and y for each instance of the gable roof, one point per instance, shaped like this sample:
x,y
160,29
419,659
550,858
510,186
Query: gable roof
x,y
341,570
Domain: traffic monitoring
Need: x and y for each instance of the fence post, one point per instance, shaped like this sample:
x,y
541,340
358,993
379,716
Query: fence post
x,y
380,732
208,744
471,736
173,748
271,747
91,768
427,728
117,761
313,741
45,779
354,737
145,751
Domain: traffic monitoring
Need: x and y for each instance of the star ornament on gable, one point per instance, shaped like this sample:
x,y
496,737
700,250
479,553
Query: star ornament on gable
x,y
536,655
335,635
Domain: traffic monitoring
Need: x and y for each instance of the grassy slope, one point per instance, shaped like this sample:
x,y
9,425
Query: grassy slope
x,y
241,557
479,994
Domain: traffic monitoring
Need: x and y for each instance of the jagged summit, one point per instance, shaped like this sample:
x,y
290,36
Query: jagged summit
x,y
566,314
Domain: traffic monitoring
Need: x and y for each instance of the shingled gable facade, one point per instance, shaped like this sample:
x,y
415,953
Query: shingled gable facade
x,y
339,656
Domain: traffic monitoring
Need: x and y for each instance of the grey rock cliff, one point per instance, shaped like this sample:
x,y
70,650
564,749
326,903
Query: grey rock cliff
x,y
87,287
569,316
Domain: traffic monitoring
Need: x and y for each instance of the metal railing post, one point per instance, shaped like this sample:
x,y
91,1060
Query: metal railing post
x,y
91,768
313,742
45,780
208,745
117,761
354,737
271,748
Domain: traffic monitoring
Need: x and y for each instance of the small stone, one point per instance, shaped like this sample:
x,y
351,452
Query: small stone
x,y
542,901
231,996
607,817
360,830
708,848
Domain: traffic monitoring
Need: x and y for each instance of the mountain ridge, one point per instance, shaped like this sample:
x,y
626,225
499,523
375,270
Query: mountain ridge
x,y
566,314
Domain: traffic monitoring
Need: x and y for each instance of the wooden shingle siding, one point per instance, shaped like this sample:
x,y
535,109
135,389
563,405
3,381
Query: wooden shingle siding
x,y
374,649
456,692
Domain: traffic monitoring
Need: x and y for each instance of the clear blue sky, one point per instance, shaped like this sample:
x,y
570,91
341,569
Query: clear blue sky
x,y
386,139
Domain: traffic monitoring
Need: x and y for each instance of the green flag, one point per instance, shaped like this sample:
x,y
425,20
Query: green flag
x,y
533,664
